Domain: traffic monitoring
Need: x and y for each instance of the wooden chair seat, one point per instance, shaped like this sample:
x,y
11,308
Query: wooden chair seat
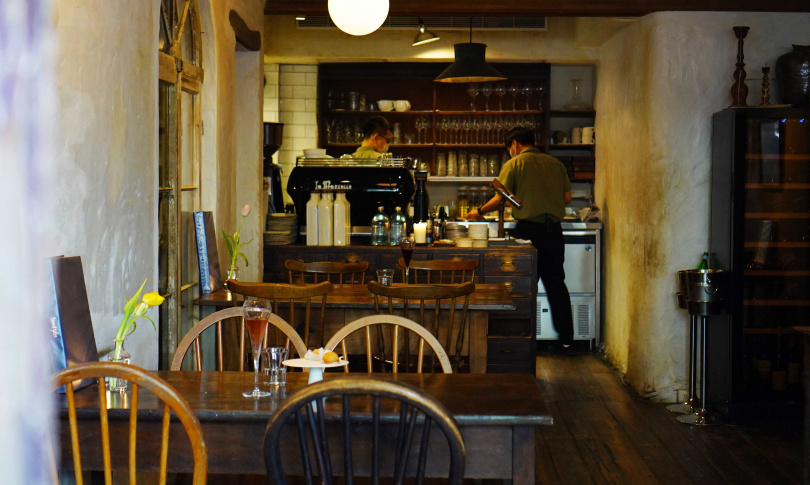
x,y
323,414
138,378
277,292
335,272
193,337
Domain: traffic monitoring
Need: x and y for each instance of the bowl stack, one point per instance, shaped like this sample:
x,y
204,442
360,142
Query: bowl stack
x,y
454,230
282,229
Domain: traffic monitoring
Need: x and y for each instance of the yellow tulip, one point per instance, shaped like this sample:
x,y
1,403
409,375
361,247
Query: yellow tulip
x,y
153,299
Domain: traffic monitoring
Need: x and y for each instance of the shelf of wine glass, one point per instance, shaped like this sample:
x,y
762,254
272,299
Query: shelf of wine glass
x,y
402,145
378,112
573,113
777,215
417,145
457,180
571,146
438,112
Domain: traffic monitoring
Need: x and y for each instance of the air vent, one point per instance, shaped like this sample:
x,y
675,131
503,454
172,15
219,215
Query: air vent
x,y
438,23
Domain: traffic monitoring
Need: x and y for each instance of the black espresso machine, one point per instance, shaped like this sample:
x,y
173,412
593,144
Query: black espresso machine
x,y
368,184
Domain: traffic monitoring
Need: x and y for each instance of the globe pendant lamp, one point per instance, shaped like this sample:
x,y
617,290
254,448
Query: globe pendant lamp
x,y
358,17
470,65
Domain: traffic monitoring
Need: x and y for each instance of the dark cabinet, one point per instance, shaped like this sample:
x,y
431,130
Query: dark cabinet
x,y
760,231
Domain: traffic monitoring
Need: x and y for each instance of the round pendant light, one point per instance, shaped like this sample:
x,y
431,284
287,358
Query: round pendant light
x,y
358,17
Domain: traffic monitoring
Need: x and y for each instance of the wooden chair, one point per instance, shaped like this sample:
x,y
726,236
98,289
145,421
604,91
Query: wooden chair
x,y
396,323
138,378
193,337
440,271
337,273
330,426
428,293
289,293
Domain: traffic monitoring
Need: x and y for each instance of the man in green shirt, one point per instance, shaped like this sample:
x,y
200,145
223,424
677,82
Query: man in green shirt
x,y
541,183
376,133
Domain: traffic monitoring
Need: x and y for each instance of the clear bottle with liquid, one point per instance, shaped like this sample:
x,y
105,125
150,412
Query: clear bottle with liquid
x,y
379,228
396,228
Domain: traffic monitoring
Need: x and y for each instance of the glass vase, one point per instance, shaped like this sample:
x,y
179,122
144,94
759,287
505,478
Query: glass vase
x,y
118,354
576,101
233,273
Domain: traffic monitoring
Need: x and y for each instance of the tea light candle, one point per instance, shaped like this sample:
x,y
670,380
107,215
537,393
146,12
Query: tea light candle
x,y
419,231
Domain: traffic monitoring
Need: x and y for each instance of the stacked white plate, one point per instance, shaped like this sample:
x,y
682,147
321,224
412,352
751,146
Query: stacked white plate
x,y
282,229
454,230
478,230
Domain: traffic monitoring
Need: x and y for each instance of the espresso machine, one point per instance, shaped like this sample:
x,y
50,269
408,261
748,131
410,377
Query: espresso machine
x,y
368,184
272,171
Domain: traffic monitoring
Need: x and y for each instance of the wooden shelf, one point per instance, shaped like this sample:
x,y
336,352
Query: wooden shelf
x,y
573,113
786,156
572,146
459,180
378,112
771,244
777,215
788,186
490,112
768,331
801,303
456,146
773,272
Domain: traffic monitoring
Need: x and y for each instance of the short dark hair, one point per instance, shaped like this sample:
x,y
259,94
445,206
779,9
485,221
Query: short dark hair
x,y
376,125
523,136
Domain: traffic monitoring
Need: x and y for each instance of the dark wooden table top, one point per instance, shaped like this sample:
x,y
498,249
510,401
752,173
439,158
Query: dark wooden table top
x,y
487,296
473,399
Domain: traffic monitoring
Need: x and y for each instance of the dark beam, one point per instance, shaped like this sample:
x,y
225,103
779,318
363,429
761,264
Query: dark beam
x,y
250,39
552,8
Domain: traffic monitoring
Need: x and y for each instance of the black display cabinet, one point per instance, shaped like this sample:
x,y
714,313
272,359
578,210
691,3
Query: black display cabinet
x,y
760,231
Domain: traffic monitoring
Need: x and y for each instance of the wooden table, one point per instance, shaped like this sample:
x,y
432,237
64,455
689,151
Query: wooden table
x,y
356,301
497,414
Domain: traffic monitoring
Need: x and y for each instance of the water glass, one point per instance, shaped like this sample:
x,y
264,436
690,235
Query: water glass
x,y
385,277
275,373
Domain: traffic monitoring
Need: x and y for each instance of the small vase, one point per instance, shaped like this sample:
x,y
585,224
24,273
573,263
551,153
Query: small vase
x,y
233,273
793,74
116,384
576,101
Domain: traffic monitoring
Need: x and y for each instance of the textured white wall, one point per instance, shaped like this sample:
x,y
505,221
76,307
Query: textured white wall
x,y
660,80
104,183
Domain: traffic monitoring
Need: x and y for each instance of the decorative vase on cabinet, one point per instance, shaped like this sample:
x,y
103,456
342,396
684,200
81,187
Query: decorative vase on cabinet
x,y
793,73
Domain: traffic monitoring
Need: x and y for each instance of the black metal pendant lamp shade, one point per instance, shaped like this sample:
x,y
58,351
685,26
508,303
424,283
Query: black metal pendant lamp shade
x,y
470,66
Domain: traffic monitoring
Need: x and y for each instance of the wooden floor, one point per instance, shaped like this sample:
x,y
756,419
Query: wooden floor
x,y
604,433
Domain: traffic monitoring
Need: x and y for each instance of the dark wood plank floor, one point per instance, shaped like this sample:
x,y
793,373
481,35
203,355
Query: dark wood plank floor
x,y
603,433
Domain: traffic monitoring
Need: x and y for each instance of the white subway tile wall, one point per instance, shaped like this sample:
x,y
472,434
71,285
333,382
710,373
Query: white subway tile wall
x,y
290,97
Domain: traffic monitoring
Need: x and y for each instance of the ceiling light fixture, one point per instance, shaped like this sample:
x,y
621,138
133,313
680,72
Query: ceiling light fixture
x,y
470,65
358,17
424,36
300,17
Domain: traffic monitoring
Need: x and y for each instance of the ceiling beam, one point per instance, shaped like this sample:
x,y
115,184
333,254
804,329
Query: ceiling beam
x,y
551,8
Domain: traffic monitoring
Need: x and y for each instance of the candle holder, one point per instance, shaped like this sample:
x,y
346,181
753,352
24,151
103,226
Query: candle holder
x,y
766,92
739,91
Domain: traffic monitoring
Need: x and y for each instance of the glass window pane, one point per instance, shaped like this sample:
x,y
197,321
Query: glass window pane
x,y
188,171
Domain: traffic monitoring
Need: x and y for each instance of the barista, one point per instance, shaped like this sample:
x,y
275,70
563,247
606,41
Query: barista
x,y
376,133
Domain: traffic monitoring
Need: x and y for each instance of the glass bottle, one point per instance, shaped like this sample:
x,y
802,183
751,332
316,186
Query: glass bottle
x,y
704,261
463,203
576,101
325,218
379,228
396,228
312,218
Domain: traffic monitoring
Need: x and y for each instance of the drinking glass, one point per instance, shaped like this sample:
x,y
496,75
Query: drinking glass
x,y
418,125
466,125
500,90
514,90
539,90
255,314
406,244
444,125
472,90
455,124
486,90
527,91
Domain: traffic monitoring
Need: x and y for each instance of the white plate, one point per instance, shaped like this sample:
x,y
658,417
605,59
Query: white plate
x,y
306,363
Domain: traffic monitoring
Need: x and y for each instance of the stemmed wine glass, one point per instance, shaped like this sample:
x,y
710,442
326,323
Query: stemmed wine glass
x,y
514,90
406,244
486,90
472,90
539,90
255,314
419,125
527,91
500,90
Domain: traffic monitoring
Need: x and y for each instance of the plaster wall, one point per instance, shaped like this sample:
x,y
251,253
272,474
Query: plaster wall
x,y
660,80
104,181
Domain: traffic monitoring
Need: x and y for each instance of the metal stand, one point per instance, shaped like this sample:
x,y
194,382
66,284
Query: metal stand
x,y
701,416
692,402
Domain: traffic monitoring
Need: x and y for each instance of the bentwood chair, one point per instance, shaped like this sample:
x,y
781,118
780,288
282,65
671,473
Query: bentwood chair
x,y
399,421
334,272
138,378
290,294
440,271
230,314
443,321
398,326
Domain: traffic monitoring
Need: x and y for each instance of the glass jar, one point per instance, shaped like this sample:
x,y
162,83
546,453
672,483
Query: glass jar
x,y
441,165
494,165
483,169
353,101
452,166
473,168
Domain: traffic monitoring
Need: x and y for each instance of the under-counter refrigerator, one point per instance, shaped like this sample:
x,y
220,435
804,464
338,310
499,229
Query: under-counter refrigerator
x,y
582,277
